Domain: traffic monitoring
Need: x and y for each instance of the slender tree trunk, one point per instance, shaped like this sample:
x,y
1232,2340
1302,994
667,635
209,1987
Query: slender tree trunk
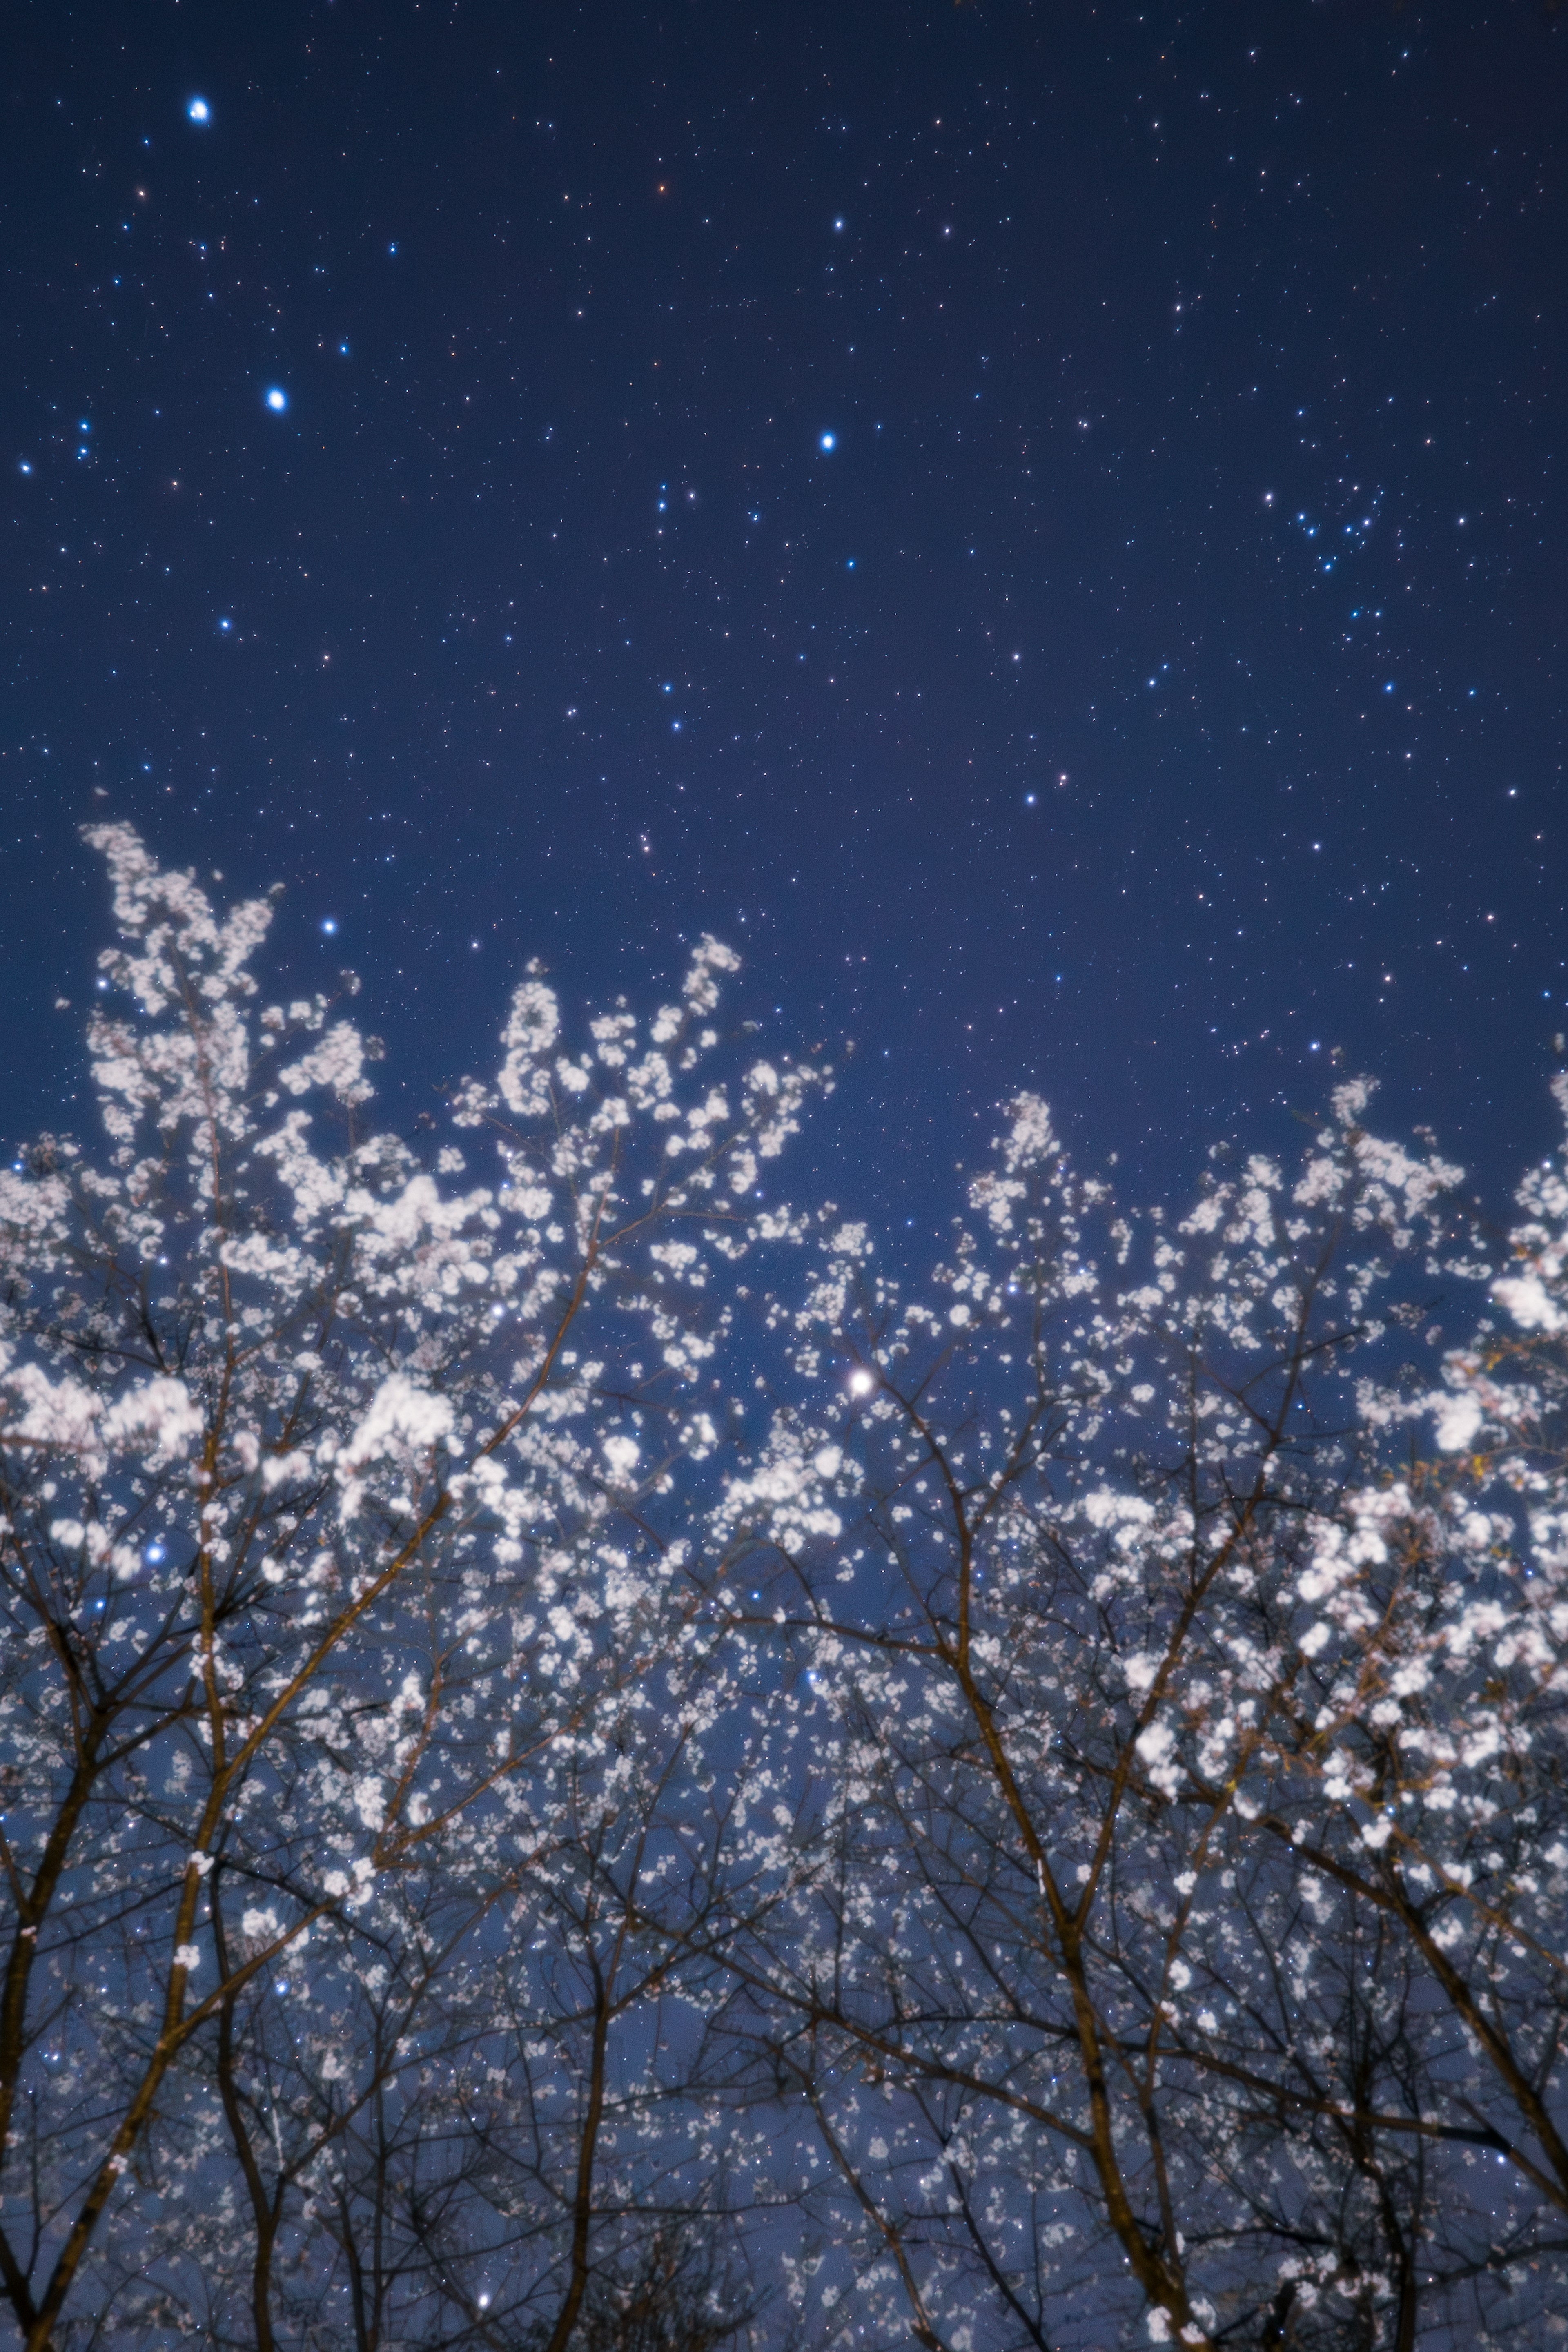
x,y
582,2200
265,2209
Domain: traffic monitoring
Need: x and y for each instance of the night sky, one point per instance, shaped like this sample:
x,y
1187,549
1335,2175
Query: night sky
x,y
1042,525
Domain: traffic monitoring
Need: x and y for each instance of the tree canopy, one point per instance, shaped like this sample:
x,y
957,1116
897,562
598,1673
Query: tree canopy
x,y
584,1764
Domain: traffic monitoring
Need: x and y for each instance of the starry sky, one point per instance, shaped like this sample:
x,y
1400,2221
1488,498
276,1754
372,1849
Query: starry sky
x,y
1043,525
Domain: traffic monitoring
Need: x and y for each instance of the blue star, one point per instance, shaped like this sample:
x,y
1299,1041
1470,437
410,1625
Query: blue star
x,y
199,110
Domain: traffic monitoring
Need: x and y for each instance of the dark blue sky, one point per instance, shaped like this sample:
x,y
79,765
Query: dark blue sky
x,y
1155,685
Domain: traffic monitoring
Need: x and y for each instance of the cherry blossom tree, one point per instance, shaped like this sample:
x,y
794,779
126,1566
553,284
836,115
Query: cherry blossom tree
x,y
585,1763
1182,1941
337,1501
